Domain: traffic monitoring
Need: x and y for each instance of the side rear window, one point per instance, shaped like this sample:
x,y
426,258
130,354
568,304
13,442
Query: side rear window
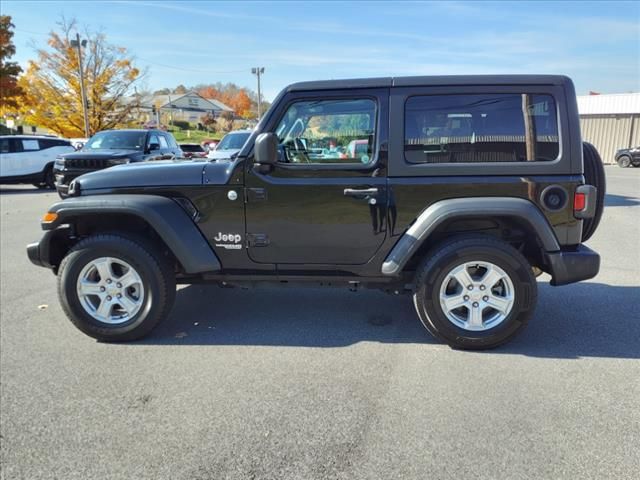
x,y
171,141
54,142
484,128
4,145
29,145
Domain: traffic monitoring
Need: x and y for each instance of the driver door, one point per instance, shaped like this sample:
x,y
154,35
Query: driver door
x,y
321,204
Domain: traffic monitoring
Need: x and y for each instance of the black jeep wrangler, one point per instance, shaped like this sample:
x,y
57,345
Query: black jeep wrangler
x,y
113,147
456,190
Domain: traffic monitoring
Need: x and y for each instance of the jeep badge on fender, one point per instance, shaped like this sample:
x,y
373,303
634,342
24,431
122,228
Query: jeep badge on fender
x,y
227,237
457,191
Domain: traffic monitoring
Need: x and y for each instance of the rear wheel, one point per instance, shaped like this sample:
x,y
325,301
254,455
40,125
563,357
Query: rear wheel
x,y
593,175
475,293
49,178
115,288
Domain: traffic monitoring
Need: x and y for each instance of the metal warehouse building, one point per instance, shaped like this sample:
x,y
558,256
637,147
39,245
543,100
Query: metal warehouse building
x,y
610,122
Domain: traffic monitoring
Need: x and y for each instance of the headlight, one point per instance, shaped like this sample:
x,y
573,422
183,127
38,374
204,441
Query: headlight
x,y
74,188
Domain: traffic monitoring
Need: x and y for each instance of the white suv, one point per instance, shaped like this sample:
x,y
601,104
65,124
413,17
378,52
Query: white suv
x,y
29,159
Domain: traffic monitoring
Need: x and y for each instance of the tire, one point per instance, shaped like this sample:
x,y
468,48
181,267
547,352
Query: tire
x,y
156,287
593,175
49,179
434,273
624,161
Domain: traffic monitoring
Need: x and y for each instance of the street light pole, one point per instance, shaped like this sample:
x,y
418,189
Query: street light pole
x,y
78,44
258,71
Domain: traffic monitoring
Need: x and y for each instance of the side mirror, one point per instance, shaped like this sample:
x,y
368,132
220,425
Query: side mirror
x,y
266,149
154,146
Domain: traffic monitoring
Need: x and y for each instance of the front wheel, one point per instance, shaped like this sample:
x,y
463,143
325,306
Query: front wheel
x,y
624,161
115,288
475,293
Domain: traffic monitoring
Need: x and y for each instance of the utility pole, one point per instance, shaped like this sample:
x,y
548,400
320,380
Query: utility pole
x,y
78,44
257,71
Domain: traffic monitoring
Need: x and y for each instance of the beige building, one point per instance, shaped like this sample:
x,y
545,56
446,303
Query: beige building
x,y
610,122
188,107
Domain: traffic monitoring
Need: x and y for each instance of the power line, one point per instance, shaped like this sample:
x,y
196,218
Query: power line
x,y
185,69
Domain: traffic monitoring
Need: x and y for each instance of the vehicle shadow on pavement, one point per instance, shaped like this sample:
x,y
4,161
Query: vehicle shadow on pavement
x,y
300,317
620,201
19,191
582,320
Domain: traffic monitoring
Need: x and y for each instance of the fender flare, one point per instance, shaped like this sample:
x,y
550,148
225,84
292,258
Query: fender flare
x,y
445,210
163,214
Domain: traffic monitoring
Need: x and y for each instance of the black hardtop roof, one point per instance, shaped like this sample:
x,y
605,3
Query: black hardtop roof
x,y
429,81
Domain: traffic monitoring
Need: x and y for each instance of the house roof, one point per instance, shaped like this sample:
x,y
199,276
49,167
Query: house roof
x,y
165,101
616,103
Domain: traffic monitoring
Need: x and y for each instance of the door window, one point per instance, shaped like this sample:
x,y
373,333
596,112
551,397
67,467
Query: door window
x,y
339,131
163,142
4,145
481,128
153,139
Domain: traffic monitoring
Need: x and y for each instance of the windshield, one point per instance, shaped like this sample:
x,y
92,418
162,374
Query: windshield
x,y
233,141
116,140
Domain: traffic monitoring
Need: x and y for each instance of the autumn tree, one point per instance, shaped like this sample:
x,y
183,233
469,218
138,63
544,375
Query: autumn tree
x,y
10,92
180,90
241,104
209,121
209,92
52,84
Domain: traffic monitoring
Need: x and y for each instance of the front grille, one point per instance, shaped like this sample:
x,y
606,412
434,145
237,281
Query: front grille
x,y
87,163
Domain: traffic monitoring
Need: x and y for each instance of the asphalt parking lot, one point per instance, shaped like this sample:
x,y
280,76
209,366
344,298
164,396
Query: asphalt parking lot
x,y
306,384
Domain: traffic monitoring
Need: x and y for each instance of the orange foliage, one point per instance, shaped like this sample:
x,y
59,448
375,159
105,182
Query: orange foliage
x,y
239,101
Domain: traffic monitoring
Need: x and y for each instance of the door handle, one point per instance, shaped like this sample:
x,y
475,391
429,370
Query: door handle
x,y
360,193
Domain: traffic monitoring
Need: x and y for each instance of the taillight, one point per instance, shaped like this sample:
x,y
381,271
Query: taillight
x,y
584,201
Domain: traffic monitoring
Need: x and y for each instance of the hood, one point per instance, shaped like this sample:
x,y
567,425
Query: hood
x,y
164,173
101,154
143,174
222,154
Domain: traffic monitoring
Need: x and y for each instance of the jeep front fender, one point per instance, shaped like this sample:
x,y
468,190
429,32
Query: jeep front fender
x,y
445,210
164,215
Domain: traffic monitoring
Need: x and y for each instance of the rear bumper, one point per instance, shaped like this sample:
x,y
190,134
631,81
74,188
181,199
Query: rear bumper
x,y
572,266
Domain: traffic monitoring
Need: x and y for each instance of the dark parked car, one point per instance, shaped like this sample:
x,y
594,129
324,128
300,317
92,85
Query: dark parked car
x,y
114,147
628,157
467,188
193,150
